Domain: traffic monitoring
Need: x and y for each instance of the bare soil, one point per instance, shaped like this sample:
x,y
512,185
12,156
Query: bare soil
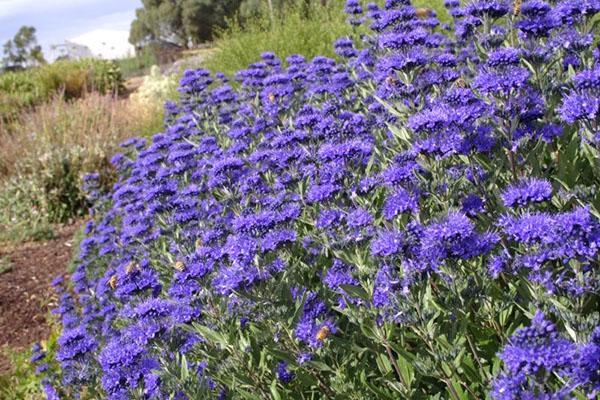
x,y
26,293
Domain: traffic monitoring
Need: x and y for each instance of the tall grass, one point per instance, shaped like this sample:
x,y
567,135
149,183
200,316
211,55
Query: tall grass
x,y
296,29
46,152
24,89
138,65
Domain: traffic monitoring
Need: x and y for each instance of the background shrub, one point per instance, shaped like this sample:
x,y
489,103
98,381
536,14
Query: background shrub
x,y
46,152
138,65
156,88
25,89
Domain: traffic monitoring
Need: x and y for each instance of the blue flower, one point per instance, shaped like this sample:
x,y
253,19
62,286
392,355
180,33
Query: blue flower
x,y
283,374
527,191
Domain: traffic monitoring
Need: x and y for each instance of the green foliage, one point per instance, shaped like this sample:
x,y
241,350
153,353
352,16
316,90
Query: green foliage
x,y
138,65
5,265
21,381
178,22
77,238
296,30
23,211
297,27
156,88
22,51
41,174
73,79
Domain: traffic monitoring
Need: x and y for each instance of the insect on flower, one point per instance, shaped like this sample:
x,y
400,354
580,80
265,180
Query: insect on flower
x,y
517,7
132,266
423,12
179,266
112,282
271,97
323,333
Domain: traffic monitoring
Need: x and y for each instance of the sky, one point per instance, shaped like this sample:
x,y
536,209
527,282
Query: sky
x,y
102,25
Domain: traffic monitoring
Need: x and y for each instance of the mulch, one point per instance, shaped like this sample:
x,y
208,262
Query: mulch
x,y
26,293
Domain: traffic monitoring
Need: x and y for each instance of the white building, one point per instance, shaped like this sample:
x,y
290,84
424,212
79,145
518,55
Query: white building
x,y
69,50
107,44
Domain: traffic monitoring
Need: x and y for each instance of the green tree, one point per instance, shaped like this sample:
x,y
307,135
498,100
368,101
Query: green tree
x,y
180,21
201,18
23,51
158,20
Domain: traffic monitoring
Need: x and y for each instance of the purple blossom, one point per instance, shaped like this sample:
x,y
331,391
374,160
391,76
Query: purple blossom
x,y
399,202
283,374
527,191
472,205
388,243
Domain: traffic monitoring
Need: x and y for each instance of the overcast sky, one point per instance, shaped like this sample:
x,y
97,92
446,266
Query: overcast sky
x,y
57,20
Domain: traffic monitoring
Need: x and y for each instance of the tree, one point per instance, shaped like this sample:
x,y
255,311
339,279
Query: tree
x,y
202,18
180,21
23,51
158,20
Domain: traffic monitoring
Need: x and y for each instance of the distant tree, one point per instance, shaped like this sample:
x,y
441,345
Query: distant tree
x,y
180,21
158,20
23,51
202,18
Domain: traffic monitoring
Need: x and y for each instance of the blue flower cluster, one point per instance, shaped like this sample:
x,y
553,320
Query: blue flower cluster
x,y
432,174
537,355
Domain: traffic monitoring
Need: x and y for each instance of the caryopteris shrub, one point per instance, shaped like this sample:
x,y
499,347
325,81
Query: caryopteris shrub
x,y
419,221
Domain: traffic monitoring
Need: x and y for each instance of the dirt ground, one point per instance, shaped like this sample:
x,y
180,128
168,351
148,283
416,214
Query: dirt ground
x,y
26,294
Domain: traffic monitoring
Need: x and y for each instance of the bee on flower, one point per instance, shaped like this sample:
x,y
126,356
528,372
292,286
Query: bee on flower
x,y
131,267
424,12
517,7
112,282
323,333
179,266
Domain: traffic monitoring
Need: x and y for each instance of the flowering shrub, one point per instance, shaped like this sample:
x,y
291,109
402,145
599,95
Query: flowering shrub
x,y
155,88
419,221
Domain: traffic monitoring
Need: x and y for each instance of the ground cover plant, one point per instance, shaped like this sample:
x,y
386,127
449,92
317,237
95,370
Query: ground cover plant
x,y
420,220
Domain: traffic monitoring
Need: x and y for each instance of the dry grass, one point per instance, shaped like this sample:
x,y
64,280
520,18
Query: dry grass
x,y
45,153
91,128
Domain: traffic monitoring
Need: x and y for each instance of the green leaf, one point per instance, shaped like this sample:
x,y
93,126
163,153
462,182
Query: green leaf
x,y
462,395
210,335
406,370
321,366
383,364
185,372
356,291
274,390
